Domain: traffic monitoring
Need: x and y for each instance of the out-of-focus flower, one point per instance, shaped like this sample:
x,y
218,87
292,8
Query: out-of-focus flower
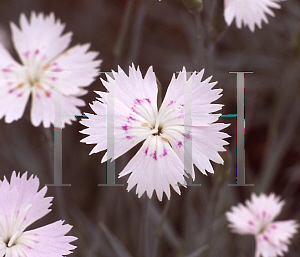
x,y
21,204
257,218
249,12
41,48
159,163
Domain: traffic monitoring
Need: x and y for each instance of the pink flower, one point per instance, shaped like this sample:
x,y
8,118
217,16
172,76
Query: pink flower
x,y
41,48
159,162
21,204
257,218
249,12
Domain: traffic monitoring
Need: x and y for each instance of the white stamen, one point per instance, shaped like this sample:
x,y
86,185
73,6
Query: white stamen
x,y
13,238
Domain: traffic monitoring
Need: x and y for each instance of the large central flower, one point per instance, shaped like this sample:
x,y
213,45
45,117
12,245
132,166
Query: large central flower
x,y
160,161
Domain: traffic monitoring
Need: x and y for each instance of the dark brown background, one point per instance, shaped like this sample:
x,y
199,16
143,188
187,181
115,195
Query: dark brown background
x,y
164,34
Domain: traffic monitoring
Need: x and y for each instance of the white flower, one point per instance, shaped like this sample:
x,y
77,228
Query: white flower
x,y
21,204
41,48
249,12
257,218
159,163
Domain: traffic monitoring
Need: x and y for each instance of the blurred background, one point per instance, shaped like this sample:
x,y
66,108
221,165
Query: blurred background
x,y
168,35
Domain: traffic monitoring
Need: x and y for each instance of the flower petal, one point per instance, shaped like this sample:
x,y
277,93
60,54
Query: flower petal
x,y
207,141
82,66
24,195
49,240
202,96
155,167
275,239
249,12
31,40
129,89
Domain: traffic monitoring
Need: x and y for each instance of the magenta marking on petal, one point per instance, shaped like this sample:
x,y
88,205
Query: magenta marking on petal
x,y
165,152
20,94
148,100
9,83
171,103
154,155
57,70
264,214
38,96
134,111
274,226
6,70
37,52
146,151
54,64
125,128
48,94
11,90
265,238
180,144
130,118
251,223
137,101
26,54
128,137
187,136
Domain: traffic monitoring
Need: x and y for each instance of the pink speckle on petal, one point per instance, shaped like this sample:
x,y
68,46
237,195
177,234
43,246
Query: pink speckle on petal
x,y
20,94
37,52
165,152
187,136
128,137
154,155
170,103
38,96
125,128
146,151
265,238
26,54
274,226
148,100
179,143
48,94
57,70
11,90
6,70
130,118
251,223
137,101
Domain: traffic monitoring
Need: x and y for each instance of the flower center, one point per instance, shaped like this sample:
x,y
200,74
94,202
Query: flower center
x,y
169,116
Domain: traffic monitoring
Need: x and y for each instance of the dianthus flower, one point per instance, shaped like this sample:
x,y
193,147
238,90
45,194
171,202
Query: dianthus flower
x,y
159,163
249,12
21,204
257,218
42,51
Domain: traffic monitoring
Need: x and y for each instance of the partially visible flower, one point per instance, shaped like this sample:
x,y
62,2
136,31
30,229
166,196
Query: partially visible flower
x,y
41,48
159,163
21,204
249,12
257,218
